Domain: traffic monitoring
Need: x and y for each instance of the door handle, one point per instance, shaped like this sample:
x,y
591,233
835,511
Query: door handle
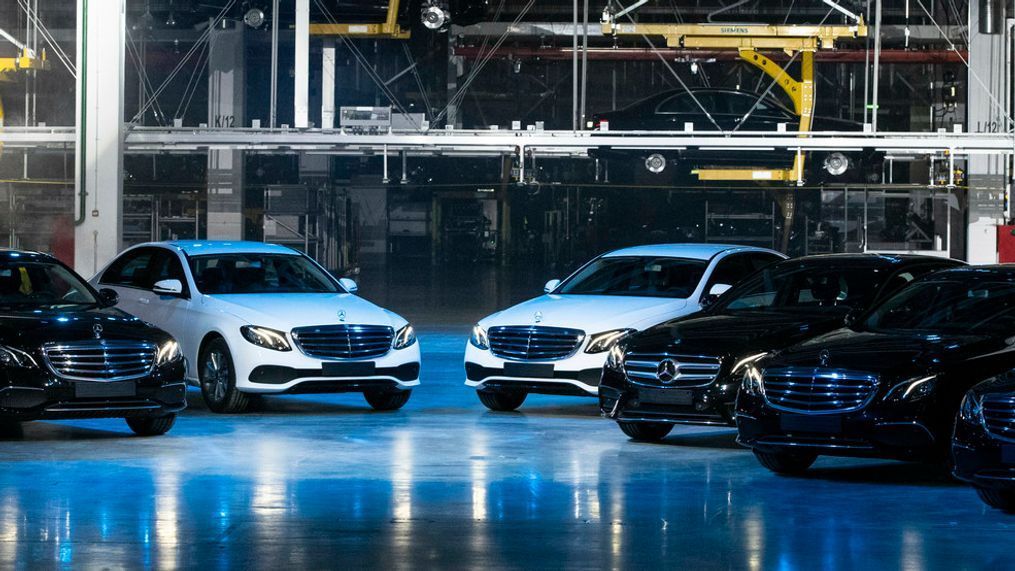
x,y
144,300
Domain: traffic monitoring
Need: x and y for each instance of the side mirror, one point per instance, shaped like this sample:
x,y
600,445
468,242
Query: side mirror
x,y
550,286
108,297
349,285
168,287
719,289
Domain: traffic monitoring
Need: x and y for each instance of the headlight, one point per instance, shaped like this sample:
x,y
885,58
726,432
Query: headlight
x,y
749,360
479,339
615,358
405,337
971,409
606,340
11,357
751,383
267,338
912,389
168,352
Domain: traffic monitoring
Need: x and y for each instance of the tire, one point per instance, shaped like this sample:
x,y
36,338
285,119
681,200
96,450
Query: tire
x,y
1003,500
151,425
646,431
785,462
218,379
387,400
502,401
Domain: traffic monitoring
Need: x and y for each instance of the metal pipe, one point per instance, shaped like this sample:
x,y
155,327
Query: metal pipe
x,y
574,70
273,104
585,62
991,17
877,65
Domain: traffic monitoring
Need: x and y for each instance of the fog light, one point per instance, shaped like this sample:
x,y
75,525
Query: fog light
x,y
655,163
836,164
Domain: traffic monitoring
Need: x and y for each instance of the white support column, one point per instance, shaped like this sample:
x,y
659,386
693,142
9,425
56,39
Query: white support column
x,y
301,70
328,84
985,89
98,156
226,108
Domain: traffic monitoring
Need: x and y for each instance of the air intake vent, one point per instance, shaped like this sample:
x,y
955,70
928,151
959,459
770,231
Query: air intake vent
x,y
101,360
344,341
534,343
818,391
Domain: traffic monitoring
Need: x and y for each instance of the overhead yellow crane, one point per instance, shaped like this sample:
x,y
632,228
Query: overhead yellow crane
x,y
749,40
388,29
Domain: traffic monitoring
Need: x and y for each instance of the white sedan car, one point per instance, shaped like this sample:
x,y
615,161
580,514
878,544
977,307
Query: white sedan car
x,y
255,318
557,343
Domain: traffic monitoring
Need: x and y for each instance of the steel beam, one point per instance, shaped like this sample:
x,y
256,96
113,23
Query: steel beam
x,y
301,67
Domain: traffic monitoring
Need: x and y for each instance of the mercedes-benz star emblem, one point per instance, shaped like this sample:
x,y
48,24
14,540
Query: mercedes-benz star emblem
x,y
824,357
538,317
341,315
97,330
667,371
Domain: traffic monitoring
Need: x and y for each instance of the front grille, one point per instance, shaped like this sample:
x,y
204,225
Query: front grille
x,y
818,391
344,341
533,343
999,415
101,360
685,370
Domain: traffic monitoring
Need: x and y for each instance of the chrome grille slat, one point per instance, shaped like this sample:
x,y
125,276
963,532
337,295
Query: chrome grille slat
x,y
100,360
693,370
344,341
999,415
534,342
818,391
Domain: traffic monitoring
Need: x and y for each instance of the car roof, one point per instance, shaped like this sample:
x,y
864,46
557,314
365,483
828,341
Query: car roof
x,y
693,251
10,253
869,258
1002,271
213,247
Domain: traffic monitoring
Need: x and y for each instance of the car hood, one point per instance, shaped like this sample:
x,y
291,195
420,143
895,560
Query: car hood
x,y
284,311
591,313
891,354
28,331
731,334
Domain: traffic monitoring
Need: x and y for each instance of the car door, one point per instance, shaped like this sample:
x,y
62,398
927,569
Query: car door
x,y
169,312
130,277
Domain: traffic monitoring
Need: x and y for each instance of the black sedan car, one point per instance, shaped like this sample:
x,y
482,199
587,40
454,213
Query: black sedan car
x,y
688,370
66,352
729,110
888,386
983,448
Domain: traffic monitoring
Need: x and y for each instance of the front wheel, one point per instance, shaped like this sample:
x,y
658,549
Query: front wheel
x,y
151,425
646,431
1003,500
218,379
787,463
502,401
387,400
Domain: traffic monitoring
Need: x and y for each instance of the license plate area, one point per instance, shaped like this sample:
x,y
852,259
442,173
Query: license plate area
x,y
531,370
95,389
1008,454
359,369
678,397
815,424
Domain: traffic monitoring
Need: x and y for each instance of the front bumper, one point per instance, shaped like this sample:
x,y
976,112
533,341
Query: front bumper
x,y
981,459
909,431
39,395
577,375
260,370
624,401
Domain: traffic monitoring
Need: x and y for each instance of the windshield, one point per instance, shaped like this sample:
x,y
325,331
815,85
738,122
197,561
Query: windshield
x,y
41,285
641,276
982,308
806,288
259,273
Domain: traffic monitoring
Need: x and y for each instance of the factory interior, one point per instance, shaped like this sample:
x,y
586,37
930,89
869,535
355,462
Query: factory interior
x,y
212,210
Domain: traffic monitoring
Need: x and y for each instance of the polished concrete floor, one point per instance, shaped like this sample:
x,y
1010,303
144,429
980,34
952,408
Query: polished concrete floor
x,y
322,481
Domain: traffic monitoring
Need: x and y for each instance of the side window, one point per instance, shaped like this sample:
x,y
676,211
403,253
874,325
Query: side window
x,y
902,278
680,103
761,259
167,266
131,270
730,270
